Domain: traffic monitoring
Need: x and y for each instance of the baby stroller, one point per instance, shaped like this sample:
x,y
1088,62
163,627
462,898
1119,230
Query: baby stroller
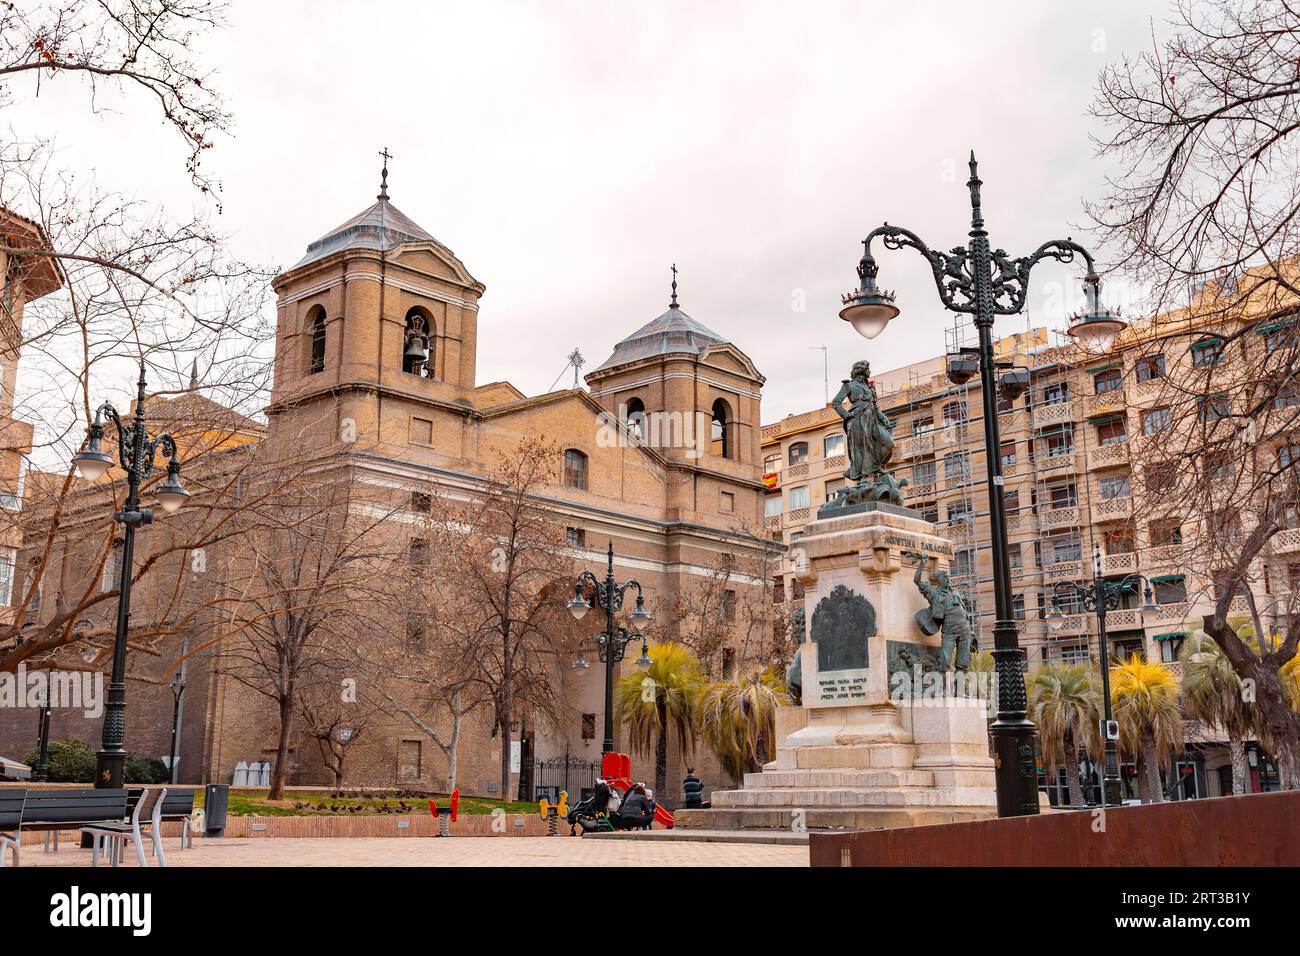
x,y
594,813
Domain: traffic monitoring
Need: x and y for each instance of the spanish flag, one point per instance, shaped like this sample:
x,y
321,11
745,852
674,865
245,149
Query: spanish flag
x,y
769,480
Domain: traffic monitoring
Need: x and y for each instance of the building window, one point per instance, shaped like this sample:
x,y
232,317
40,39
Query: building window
x,y
636,419
1114,486
1169,590
1212,408
588,726
575,537
1018,607
778,590
798,452
956,466
771,464
414,632
722,430
1011,502
834,487
729,606
575,469
1108,380
799,498
421,502
728,662
960,511
1149,368
1288,456
772,505
833,445
796,589
418,553
1074,654
922,425
1111,431
1063,496
1169,648
7,580
1156,421
1166,534
1059,442
1066,549
1126,649
316,323
1207,352
923,473
410,764
726,502
930,513
1119,542
963,562
1007,453
1016,555
954,413
1279,335
1056,394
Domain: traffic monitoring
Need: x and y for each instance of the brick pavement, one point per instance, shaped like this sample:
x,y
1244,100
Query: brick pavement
x,y
456,851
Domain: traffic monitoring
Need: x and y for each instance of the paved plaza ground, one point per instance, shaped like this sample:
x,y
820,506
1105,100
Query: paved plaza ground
x,y
454,851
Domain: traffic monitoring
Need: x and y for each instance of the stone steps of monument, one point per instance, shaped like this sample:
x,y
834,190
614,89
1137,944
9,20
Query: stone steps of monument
x,y
847,777
826,818
836,797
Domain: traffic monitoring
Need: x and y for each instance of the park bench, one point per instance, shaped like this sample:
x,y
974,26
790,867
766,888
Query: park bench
x,y
112,836
11,816
50,811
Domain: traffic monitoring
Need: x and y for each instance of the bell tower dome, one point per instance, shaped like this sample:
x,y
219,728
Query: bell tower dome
x,y
377,311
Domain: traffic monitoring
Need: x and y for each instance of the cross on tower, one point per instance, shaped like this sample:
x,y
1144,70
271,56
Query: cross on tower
x,y
383,181
673,303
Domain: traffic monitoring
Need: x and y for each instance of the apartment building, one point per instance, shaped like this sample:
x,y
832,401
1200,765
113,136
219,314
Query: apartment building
x,y
1069,483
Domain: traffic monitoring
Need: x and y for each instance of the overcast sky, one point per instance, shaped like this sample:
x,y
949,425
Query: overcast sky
x,y
569,152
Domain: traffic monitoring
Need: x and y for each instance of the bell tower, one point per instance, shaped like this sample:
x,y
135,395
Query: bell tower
x,y
685,391
378,316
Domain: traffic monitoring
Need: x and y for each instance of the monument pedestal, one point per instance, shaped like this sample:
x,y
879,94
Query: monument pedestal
x,y
881,739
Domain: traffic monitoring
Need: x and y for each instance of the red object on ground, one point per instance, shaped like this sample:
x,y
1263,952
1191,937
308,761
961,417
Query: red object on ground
x,y
433,808
616,769
455,803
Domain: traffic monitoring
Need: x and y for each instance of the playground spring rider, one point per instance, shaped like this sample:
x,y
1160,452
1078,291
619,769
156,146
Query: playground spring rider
x,y
446,815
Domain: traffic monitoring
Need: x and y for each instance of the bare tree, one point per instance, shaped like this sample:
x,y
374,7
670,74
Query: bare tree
x,y
496,585
1204,213
335,724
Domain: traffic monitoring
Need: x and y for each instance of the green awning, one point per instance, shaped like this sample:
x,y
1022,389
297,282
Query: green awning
x,y
1207,344
1103,368
1166,578
1105,419
1169,637
1274,326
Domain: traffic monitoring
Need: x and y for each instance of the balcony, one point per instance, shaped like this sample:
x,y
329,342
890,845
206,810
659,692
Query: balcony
x,y
1062,460
837,461
1059,517
1109,456
799,470
1126,563
919,492
1112,401
1070,625
1063,571
1164,557
1125,619
914,445
1045,415
1113,509
1175,613
1286,542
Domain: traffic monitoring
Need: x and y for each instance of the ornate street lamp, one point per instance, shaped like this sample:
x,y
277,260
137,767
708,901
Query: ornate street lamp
x,y
613,641
136,453
986,283
178,694
41,772
1101,597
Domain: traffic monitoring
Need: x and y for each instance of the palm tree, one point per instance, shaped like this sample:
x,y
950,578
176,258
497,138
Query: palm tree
x,y
1145,698
1212,693
1065,704
738,719
661,701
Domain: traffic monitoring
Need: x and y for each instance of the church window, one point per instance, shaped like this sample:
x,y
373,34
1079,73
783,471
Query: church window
x,y
316,322
636,418
722,429
575,469
418,346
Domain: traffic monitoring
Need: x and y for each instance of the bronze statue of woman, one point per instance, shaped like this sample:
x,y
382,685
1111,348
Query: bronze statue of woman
x,y
868,431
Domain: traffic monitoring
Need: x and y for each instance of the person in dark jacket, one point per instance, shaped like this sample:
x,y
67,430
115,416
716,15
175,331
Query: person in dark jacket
x,y
637,811
693,791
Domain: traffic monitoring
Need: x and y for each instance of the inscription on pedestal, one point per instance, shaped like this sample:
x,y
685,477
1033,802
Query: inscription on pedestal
x,y
841,688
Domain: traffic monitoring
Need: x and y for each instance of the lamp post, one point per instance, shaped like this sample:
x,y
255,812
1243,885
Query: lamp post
x,y
178,693
1102,597
41,772
613,641
986,283
136,456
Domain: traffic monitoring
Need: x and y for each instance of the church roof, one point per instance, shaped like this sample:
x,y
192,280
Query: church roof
x,y
382,226
672,333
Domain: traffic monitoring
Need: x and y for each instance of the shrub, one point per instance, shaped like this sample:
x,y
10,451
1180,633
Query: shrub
x,y
145,770
71,761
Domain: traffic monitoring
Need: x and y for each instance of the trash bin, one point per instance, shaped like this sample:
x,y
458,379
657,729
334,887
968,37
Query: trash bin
x,y
216,801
